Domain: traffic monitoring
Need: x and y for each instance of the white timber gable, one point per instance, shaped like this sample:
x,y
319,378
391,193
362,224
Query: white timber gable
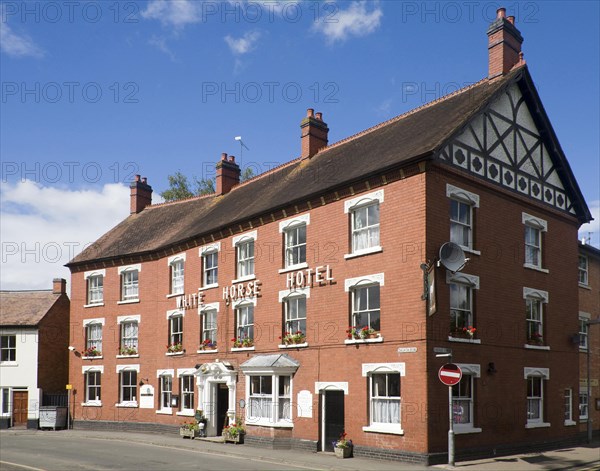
x,y
503,145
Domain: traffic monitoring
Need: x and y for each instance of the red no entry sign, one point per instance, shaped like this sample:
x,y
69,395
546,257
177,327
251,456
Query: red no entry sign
x,y
450,374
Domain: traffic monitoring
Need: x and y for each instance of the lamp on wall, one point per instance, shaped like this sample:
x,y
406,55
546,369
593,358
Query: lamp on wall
x,y
141,383
492,368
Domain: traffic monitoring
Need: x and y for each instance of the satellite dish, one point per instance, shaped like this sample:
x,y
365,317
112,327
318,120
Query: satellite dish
x,y
452,257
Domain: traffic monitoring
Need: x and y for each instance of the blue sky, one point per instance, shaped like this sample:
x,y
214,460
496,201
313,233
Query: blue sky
x,y
94,92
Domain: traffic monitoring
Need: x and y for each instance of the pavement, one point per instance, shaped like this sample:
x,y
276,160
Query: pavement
x,y
574,458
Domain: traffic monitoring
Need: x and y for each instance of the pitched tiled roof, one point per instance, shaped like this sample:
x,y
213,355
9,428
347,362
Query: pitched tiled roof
x,y
406,138
25,308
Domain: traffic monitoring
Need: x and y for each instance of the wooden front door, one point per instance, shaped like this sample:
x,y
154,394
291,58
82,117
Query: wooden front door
x,y
20,406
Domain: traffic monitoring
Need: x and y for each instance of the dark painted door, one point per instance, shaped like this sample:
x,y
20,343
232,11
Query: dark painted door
x,y
334,417
222,406
19,407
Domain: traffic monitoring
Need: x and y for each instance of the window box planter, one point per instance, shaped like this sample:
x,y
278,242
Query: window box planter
x,y
231,438
186,432
343,452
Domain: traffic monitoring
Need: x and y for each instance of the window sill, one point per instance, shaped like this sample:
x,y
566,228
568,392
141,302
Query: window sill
x,y
470,250
460,340
263,423
569,423
8,363
173,354
581,285
203,352
583,420
583,349
383,429
533,267
99,357
93,305
137,355
295,345
165,411
211,286
129,301
129,405
464,430
242,349
186,413
243,278
537,425
355,341
360,253
536,347
172,295
300,266
91,404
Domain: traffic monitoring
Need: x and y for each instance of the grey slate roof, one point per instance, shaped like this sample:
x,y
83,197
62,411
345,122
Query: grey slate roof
x,y
270,361
25,308
410,137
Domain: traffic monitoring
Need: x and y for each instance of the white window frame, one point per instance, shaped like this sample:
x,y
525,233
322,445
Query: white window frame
x,y
368,369
543,374
182,374
96,291
127,369
86,371
172,316
568,396
370,309
94,324
584,317
541,226
204,312
8,348
286,227
584,405
470,283
473,372
583,270
237,308
471,201
176,266
245,265
540,297
165,392
124,273
358,203
273,416
288,322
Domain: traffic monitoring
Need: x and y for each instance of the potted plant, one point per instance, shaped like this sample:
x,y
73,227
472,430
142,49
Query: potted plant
x,y
189,430
208,344
463,332
128,351
242,342
535,338
91,352
234,432
343,446
361,333
174,348
293,338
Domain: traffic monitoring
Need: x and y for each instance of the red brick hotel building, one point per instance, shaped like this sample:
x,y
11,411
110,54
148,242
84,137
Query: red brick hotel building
x,y
239,303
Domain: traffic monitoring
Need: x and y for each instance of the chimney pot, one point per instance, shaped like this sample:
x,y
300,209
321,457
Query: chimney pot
x,y
224,156
144,180
319,116
310,113
232,158
511,19
59,286
137,178
501,12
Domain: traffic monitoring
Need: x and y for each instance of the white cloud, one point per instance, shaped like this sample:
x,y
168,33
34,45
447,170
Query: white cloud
x,y
176,13
592,227
17,45
161,44
355,20
44,227
244,44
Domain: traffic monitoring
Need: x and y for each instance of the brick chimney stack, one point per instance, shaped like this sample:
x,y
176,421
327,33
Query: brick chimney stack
x,y
141,195
504,45
59,286
314,133
228,174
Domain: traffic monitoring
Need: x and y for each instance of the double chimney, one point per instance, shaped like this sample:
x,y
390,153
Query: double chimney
x,y
228,174
504,45
314,133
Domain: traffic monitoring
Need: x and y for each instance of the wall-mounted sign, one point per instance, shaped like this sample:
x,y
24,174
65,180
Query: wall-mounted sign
x,y
305,404
241,291
190,301
407,350
307,278
147,397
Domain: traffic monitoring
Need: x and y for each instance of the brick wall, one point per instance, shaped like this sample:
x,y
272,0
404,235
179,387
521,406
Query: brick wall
x,y
53,353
